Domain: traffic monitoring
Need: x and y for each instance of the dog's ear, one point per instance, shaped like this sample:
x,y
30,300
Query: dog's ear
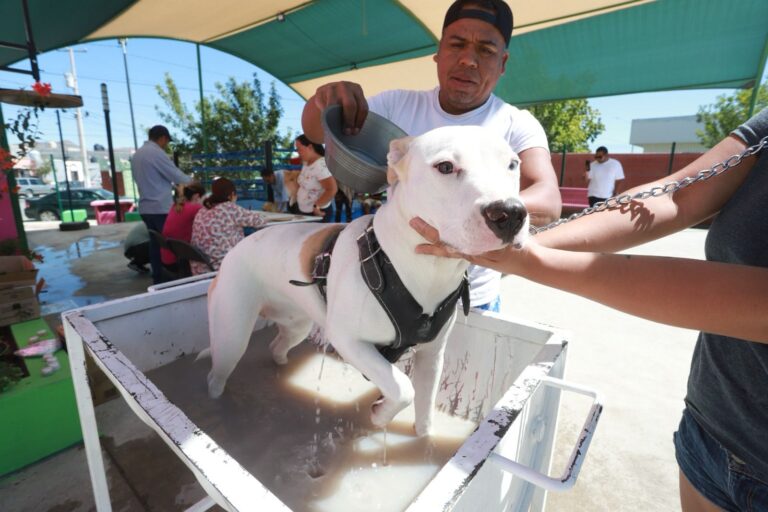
x,y
398,148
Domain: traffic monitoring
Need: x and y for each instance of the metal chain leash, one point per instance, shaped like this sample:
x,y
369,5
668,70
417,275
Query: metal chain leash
x,y
667,188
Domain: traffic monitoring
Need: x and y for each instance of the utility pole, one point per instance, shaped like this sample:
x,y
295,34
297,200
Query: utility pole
x,y
71,78
128,83
122,41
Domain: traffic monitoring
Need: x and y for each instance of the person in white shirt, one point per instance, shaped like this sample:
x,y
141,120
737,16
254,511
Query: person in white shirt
x,y
317,187
471,57
602,176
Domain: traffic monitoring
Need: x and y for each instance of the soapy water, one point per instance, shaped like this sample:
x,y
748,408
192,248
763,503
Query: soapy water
x,y
304,430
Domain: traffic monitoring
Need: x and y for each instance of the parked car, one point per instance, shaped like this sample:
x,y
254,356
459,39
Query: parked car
x,y
47,207
30,187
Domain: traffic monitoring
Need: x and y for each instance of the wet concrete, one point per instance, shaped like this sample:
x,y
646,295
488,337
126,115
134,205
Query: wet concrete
x,y
84,267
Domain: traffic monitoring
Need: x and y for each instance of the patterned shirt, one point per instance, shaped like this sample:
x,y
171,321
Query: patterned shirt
x,y
310,188
218,229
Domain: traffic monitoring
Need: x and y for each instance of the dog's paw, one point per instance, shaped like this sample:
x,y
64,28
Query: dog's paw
x,y
384,410
279,355
423,428
279,359
215,388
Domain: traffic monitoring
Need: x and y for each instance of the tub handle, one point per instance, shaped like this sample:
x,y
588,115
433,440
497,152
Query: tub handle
x,y
579,453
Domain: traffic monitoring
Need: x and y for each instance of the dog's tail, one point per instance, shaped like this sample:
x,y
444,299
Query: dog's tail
x,y
204,354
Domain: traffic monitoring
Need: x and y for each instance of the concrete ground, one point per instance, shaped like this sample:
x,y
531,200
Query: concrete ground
x,y
639,366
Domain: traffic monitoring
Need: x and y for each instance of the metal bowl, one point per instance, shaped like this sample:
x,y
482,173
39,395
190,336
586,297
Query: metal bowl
x,y
359,161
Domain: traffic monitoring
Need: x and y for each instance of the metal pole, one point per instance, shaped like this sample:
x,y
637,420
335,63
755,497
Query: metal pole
x,y
31,48
115,192
562,167
66,174
79,117
123,41
56,182
758,78
202,114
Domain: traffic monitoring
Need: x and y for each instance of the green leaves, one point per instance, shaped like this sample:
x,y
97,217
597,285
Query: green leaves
x,y
727,113
570,125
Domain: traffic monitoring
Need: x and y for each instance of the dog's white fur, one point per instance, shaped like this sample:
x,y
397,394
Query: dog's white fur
x,y
253,278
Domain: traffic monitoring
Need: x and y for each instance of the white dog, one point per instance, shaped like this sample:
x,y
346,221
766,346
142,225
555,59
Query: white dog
x,y
462,180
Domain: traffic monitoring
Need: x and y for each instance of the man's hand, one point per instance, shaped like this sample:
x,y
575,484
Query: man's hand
x,y
353,105
352,100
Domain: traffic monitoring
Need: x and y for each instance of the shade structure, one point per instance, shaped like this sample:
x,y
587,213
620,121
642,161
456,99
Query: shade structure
x,y
560,49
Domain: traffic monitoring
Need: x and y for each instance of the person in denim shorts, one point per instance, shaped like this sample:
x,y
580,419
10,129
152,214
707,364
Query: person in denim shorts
x,y
722,441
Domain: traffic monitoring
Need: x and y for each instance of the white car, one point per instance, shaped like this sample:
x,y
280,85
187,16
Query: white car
x,y
30,187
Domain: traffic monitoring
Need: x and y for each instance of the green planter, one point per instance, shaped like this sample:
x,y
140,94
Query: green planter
x,y
38,416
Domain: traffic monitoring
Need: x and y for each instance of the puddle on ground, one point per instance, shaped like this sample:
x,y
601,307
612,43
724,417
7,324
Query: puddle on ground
x,y
62,284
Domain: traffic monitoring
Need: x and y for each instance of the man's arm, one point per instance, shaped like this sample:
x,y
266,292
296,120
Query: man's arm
x,y
538,186
353,104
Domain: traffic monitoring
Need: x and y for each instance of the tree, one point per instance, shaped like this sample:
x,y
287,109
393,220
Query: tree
x,y
570,125
240,117
727,113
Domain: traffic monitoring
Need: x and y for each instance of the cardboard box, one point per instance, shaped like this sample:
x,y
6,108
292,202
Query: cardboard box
x,y
16,271
19,311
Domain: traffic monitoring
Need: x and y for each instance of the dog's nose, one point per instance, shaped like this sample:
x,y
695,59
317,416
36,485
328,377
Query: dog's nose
x,y
505,218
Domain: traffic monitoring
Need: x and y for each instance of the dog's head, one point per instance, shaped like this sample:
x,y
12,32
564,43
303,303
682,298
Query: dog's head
x,y
464,181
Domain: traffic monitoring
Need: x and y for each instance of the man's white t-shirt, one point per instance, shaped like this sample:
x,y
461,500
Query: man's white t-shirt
x,y
603,176
310,188
417,112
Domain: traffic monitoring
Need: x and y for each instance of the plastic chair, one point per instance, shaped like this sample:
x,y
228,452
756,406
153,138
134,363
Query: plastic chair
x,y
170,272
186,252
159,239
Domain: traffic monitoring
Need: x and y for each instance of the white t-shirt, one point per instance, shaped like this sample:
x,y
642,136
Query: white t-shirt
x,y
417,112
310,188
602,178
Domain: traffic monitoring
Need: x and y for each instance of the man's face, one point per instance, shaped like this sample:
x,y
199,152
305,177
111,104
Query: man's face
x,y
163,141
470,60
601,156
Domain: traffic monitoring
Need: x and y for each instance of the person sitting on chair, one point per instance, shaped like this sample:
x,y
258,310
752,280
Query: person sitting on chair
x,y
218,226
136,248
178,224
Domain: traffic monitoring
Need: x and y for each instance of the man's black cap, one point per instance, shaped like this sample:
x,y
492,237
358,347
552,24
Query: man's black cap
x,y
502,19
158,131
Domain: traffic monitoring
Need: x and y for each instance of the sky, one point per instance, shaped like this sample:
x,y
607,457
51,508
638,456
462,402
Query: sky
x,y
148,61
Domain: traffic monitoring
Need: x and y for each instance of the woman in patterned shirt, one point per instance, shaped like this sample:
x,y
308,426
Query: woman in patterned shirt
x,y
219,224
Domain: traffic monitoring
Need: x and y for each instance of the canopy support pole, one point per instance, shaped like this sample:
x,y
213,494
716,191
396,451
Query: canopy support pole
x,y
758,79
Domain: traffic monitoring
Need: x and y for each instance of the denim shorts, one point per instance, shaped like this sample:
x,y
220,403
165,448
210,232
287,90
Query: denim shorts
x,y
716,473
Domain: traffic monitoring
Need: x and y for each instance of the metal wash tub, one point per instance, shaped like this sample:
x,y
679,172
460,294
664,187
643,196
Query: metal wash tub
x,y
504,376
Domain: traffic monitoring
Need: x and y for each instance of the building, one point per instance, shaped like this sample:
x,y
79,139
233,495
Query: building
x,y
656,135
98,158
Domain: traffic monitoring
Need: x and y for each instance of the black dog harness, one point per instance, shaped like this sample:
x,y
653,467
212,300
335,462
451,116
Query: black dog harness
x,y
412,325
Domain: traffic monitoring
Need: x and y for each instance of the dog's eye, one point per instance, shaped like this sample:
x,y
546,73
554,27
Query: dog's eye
x,y
514,164
444,167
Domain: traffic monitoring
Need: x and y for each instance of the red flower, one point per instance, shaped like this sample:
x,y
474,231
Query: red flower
x,y
43,90
6,160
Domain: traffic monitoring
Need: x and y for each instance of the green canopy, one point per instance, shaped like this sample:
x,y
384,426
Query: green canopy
x,y
560,48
